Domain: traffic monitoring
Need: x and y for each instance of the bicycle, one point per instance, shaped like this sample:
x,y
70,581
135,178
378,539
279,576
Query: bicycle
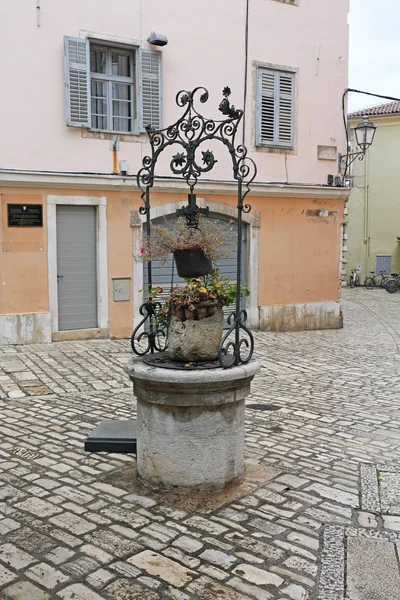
x,y
354,278
392,284
375,280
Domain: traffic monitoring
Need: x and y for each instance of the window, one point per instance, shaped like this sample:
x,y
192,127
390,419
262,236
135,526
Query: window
x,y
111,88
275,108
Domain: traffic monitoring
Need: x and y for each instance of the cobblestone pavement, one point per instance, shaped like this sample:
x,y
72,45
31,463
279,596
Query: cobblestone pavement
x,y
322,487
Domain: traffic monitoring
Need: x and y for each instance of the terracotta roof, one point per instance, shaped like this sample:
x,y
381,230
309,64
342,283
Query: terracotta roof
x,y
390,108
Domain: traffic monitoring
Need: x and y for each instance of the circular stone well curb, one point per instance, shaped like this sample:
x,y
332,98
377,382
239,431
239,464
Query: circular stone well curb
x,y
190,425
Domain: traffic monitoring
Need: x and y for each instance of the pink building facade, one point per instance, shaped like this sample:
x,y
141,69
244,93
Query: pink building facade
x,y
81,81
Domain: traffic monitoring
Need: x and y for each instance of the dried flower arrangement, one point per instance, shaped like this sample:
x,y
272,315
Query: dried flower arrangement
x,y
216,241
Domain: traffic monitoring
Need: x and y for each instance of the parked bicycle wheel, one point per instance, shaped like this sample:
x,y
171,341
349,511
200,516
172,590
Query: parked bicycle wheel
x,y
392,286
369,283
352,282
357,281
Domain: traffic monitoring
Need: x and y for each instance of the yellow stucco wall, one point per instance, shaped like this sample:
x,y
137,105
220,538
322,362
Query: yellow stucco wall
x,y
373,223
23,259
299,249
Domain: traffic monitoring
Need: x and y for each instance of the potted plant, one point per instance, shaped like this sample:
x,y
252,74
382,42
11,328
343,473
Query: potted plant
x,y
193,312
194,248
194,316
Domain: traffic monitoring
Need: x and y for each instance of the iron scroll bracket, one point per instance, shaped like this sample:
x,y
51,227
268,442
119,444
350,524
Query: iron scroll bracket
x,y
191,211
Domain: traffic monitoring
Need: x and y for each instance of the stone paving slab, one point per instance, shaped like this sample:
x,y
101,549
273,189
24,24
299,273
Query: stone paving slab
x,y
321,474
372,570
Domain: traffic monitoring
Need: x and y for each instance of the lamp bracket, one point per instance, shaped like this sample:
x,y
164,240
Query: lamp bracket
x,y
345,160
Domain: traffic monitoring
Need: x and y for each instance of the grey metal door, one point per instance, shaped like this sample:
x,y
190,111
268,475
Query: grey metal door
x,y
383,263
163,275
76,267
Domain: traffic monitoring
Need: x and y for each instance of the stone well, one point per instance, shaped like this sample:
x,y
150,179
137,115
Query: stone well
x,y
190,424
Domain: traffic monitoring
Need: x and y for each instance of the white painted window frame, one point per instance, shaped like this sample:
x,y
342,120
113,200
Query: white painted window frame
x,y
109,79
252,220
135,46
101,254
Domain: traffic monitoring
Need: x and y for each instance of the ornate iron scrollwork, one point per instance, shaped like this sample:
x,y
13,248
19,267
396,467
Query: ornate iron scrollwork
x,y
231,350
191,134
153,337
345,160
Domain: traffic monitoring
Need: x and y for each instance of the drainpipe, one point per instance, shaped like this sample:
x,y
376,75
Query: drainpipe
x,y
114,146
367,215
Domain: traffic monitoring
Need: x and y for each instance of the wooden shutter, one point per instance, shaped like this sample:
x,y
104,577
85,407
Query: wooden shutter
x,y
151,88
275,94
77,81
285,119
266,107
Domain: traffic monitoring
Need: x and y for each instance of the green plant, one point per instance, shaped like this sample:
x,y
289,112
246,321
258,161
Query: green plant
x,y
157,305
214,239
198,298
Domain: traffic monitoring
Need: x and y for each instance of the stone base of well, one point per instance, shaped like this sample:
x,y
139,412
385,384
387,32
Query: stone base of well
x,y
190,425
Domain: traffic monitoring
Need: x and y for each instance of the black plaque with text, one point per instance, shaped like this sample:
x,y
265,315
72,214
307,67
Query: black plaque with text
x,y
25,215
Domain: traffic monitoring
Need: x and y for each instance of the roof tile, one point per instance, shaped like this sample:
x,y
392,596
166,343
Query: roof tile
x,y
390,108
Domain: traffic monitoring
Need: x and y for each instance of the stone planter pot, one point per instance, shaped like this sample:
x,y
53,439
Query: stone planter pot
x,y
195,340
192,262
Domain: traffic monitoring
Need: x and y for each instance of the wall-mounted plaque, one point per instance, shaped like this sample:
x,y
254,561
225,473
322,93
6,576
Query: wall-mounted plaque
x,y
25,215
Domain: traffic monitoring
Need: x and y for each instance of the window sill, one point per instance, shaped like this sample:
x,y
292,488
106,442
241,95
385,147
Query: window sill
x,y
295,3
276,149
99,134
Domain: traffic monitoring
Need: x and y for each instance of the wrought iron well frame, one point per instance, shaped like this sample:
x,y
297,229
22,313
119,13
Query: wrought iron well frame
x,y
189,132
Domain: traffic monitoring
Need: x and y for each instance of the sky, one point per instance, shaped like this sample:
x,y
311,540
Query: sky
x,y
374,50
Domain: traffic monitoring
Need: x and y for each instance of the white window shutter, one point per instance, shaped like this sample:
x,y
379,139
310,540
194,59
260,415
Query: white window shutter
x,y
285,121
77,81
266,117
151,89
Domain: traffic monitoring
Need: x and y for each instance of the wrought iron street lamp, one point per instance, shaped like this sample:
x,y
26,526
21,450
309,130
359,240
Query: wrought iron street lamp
x,y
365,132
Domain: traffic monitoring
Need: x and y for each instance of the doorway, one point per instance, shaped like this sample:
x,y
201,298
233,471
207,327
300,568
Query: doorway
x,y
76,267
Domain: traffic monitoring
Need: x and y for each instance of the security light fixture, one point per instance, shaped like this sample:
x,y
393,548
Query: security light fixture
x,y
123,167
157,39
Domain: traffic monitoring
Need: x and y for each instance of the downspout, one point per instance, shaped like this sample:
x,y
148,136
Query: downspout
x,y
114,148
367,215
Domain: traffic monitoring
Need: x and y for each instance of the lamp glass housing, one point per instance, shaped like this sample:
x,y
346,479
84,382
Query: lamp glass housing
x,y
365,133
